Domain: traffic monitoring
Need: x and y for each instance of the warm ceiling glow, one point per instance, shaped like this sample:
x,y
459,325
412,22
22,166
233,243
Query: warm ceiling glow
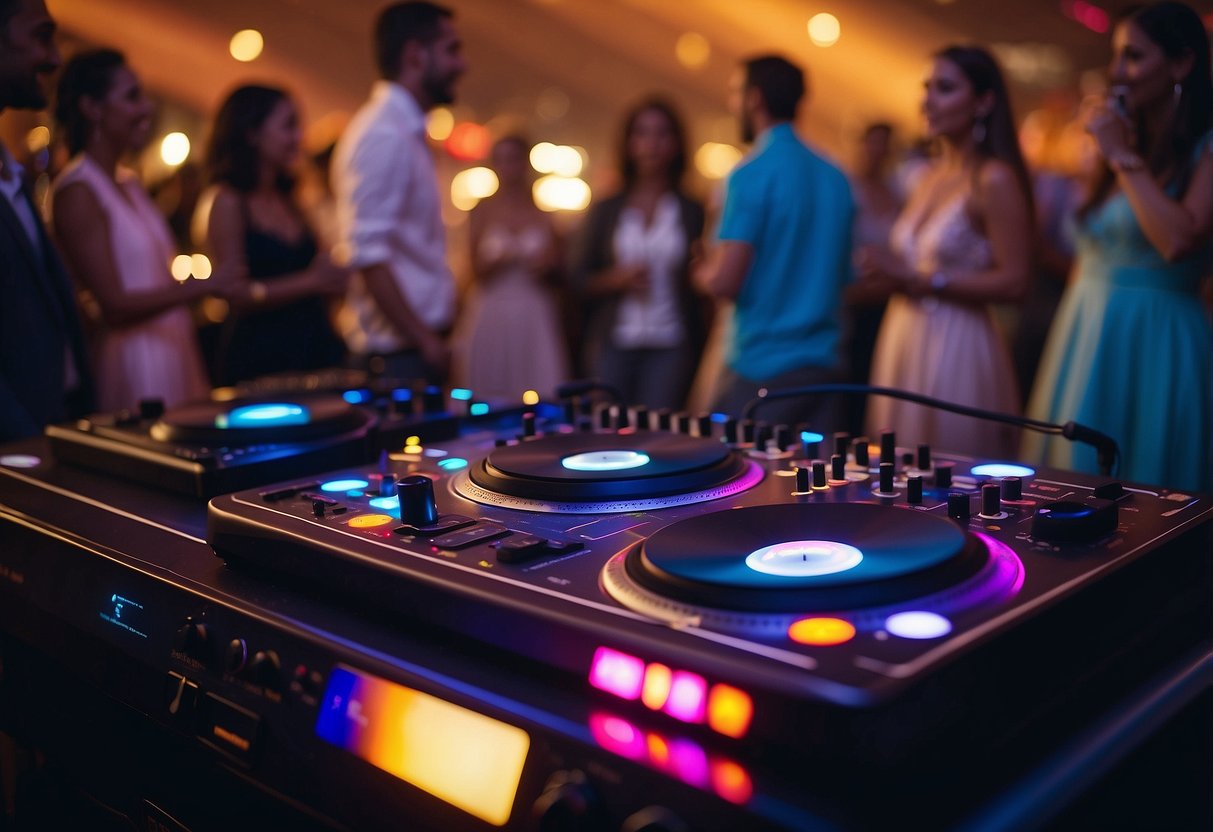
x,y
469,141
439,124
559,159
181,268
174,149
824,29
714,160
560,193
38,138
693,50
246,45
472,185
200,266
552,104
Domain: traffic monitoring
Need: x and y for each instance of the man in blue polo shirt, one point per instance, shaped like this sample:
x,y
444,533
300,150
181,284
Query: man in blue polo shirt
x,y
783,254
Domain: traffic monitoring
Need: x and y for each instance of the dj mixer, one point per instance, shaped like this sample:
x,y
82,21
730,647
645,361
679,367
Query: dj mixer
x,y
639,622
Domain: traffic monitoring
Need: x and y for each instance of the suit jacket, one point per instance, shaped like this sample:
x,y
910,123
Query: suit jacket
x,y
39,322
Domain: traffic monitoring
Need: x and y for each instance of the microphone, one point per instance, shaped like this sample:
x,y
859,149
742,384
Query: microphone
x,y
1107,452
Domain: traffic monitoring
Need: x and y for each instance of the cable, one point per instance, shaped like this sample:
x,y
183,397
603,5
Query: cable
x,y
1107,452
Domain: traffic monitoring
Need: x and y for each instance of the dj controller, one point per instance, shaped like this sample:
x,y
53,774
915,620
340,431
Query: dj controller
x,y
638,621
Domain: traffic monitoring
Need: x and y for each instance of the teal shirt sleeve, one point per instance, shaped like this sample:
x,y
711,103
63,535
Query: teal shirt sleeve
x,y
742,218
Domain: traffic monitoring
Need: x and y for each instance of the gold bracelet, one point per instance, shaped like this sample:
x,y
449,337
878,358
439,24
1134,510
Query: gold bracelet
x,y
1125,161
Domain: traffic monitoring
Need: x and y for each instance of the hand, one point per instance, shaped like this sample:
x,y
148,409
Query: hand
x,y
328,277
879,266
1111,130
632,279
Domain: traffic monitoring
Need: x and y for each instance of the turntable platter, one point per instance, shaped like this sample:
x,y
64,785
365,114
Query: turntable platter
x,y
245,421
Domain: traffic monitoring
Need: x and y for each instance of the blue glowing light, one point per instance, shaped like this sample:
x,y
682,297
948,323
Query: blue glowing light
x,y
801,558
357,396
264,416
1002,469
720,418
386,503
810,437
1069,511
355,493
401,394
453,464
344,485
461,394
478,409
918,624
605,461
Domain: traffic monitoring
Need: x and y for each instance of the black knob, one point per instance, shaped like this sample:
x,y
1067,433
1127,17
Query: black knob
x,y
568,803
265,669
1066,520
924,457
235,656
433,400
886,478
193,639
746,427
783,437
623,418
842,443
703,425
605,420
838,467
1012,489
762,434
888,446
730,431
387,485
318,506
861,451
569,411
151,409
943,475
664,417
417,504
528,424
958,506
914,489
654,819
802,479
991,500
819,474
907,459
640,417
682,422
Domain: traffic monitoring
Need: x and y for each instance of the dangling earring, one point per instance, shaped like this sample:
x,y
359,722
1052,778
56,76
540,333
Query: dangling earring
x,y
979,130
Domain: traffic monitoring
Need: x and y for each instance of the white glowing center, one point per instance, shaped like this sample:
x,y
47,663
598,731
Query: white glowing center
x,y
797,558
605,461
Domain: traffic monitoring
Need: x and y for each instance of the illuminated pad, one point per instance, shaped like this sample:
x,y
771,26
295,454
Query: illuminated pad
x,y
1002,469
605,461
799,558
263,416
371,521
20,461
918,624
333,486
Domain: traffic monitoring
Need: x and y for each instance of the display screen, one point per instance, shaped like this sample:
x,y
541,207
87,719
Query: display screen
x,y
469,760
125,614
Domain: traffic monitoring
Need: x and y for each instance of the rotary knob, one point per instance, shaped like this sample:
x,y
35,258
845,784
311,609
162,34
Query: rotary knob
x,y
568,803
417,504
1075,522
193,639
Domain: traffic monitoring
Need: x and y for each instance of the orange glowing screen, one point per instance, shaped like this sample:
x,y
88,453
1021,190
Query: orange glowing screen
x,y
729,710
657,681
821,632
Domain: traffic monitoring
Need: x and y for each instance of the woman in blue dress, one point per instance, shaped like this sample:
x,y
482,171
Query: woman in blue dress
x,y
1131,350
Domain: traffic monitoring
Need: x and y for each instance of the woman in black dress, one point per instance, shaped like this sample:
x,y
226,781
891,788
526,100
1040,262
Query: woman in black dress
x,y
280,320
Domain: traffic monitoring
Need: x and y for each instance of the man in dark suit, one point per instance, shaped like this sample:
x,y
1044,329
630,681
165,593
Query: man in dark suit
x,y
44,374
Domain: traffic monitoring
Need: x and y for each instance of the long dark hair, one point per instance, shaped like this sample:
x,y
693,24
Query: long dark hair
x,y
88,74
231,158
1178,32
678,165
1000,140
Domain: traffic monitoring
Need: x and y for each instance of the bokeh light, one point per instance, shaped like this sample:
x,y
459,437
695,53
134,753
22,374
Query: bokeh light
x,y
561,193
246,45
472,185
439,124
714,160
693,50
824,29
174,149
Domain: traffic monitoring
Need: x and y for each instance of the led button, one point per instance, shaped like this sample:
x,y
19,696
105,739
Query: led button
x,y
821,632
371,521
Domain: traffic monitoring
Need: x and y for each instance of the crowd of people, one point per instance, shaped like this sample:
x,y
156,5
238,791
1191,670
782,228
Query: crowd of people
x,y
803,275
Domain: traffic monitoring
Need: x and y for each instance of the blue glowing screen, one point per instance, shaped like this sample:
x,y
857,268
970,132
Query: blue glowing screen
x,y
1002,469
810,437
461,394
478,409
344,485
264,416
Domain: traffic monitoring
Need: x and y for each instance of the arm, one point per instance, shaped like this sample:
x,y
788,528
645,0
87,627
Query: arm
x,y
1176,228
83,234
723,271
381,283
1003,208
225,237
595,273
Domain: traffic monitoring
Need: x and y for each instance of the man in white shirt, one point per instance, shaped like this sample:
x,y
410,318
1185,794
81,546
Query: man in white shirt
x,y
44,374
401,301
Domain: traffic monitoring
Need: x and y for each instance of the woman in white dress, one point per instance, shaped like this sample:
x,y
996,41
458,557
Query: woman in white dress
x,y
117,244
963,241
509,339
